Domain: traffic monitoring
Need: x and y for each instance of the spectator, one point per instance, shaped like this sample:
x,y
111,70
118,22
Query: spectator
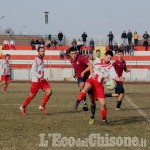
x,y
62,53
145,43
37,43
145,36
74,44
12,44
132,50
129,36
128,49
32,44
111,47
92,43
5,45
122,47
115,48
54,43
42,43
49,37
84,38
110,37
84,51
48,44
124,38
136,36
79,44
60,37
97,54
91,53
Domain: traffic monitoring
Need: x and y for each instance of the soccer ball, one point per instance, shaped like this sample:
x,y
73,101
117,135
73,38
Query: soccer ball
x,y
111,84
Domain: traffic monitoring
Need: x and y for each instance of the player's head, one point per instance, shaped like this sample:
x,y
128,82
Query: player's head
x,y
41,52
97,53
120,54
108,56
73,53
7,56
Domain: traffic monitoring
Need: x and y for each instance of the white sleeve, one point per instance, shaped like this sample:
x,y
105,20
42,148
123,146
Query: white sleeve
x,y
112,73
34,70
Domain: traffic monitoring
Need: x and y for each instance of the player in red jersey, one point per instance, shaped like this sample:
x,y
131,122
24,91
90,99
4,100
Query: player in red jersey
x,y
100,70
120,66
5,76
80,65
38,82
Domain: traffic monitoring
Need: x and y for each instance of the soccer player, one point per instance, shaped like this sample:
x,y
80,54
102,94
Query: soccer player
x,y
80,64
38,82
5,76
120,66
100,70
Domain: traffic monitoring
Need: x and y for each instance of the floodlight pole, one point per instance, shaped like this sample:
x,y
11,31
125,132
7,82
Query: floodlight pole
x,y
46,20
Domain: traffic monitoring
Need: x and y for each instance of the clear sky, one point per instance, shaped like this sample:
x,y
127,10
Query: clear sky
x,y
72,17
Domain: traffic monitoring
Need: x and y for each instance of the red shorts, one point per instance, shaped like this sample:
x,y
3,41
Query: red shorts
x,y
98,88
5,78
35,86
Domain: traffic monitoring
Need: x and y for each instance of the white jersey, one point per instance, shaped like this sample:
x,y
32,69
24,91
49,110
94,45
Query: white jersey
x,y
37,70
5,68
103,70
5,42
12,42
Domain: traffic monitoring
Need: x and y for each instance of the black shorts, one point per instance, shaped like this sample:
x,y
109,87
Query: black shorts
x,y
119,89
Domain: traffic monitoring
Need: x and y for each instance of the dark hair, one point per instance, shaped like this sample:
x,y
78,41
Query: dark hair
x,y
98,50
120,51
72,49
7,55
40,48
109,52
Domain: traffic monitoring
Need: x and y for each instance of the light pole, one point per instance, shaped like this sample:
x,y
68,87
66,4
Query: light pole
x,y
46,20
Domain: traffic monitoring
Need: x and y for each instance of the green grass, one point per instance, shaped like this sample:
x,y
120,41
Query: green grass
x,y
22,133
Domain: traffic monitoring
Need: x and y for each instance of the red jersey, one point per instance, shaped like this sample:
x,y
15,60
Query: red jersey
x,y
119,66
79,65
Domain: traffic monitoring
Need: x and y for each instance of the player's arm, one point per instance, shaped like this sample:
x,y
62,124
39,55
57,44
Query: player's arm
x,y
126,69
113,75
34,70
86,70
91,70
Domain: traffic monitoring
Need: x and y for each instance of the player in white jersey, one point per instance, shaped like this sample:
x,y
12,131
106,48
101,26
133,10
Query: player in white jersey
x,y
38,82
5,73
12,44
100,69
5,45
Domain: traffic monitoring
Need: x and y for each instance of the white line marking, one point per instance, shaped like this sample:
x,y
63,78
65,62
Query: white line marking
x,y
141,112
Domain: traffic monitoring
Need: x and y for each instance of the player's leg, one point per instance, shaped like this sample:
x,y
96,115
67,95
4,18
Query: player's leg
x,y
7,80
103,109
35,86
82,94
120,90
3,79
93,108
26,103
48,92
81,84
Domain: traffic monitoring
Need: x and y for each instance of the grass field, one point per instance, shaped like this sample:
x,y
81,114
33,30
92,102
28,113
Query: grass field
x,y
22,133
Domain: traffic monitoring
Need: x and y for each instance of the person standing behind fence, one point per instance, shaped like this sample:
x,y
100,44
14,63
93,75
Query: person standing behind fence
x,y
60,37
84,38
129,36
124,38
92,43
145,36
110,37
136,36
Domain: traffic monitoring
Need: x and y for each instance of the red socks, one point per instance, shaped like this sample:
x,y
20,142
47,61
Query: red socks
x,y
103,114
5,87
45,100
27,101
81,96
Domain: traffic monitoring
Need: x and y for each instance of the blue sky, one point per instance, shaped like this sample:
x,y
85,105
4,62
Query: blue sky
x,y
72,17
